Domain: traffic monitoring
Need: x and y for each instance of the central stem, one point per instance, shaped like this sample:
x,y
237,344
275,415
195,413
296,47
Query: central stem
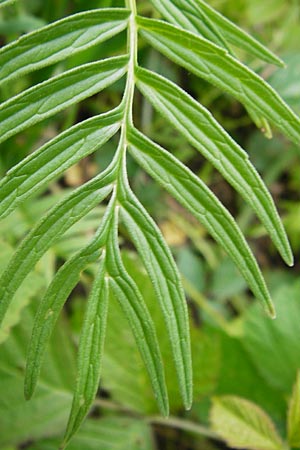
x,y
132,51
129,88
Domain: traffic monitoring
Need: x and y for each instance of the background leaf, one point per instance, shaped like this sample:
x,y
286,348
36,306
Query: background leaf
x,y
243,425
294,415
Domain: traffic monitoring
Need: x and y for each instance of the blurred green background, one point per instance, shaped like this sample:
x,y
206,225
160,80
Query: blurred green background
x,y
237,351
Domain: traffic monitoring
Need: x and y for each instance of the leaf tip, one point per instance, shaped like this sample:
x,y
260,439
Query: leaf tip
x,y
272,312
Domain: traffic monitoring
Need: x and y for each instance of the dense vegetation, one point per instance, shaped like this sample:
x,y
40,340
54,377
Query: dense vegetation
x,y
64,149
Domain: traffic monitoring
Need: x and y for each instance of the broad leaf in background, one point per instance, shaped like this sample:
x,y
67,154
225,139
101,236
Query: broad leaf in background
x,y
277,363
30,288
107,433
244,425
293,424
238,375
47,413
287,82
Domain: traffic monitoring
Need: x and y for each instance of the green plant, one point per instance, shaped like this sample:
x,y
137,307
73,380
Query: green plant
x,y
198,39
242,424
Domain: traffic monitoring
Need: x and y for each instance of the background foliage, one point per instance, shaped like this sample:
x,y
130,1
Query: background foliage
x,y
245,366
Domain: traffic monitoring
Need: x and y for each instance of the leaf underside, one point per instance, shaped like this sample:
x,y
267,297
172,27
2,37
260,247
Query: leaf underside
x,y
199,39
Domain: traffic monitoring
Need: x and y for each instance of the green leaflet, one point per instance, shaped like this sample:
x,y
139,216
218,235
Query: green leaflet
x,y
49,309
56,94
51,160
50,229
196,10
201,202
90,352
131,301
208,137
92,337
59,40
164,275
215,65
181,13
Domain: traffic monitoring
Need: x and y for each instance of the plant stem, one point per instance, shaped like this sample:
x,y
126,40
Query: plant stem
x,y
182,424
171,422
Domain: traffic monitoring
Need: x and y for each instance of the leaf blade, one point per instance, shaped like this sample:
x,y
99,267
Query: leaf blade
x,y
48,230
199,127
165,277
59,40
52,159
242,424
131,301
231,32
214,64
194,195
91,342
47,98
